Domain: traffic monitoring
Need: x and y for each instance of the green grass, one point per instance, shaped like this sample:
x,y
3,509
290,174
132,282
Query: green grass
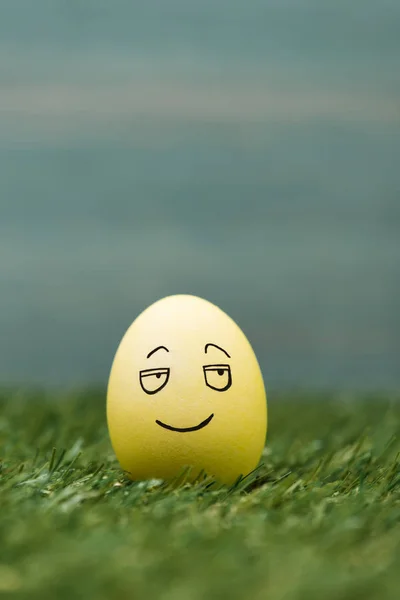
x,y
319,520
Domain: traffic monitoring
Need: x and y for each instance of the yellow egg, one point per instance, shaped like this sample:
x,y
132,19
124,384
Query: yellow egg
x,y
186,390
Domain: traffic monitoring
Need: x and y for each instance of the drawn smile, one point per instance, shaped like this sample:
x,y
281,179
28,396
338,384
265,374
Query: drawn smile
x,y
186,429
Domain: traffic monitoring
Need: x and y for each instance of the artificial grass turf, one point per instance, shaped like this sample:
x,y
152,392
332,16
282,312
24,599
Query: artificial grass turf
x,y
319,520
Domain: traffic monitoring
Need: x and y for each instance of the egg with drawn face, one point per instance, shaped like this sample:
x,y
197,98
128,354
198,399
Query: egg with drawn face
x,y
186,392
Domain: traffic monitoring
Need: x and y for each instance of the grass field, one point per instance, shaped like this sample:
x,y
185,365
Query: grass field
x,y
319,520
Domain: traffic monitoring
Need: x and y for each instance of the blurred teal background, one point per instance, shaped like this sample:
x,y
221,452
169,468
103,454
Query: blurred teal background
x,y
244,151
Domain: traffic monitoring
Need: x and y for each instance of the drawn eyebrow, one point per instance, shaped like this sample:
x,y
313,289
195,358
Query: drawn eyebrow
x,y
156,349
218,348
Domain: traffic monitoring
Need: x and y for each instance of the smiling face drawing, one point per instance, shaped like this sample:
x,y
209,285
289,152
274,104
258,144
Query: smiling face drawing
x,y
217,377
186,390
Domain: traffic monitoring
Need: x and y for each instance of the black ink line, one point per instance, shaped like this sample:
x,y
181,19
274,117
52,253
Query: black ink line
x,y
218,348
225,368
157,373
160,370
186,429
156,349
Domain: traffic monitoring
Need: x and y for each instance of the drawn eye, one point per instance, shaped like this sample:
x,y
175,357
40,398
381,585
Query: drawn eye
x,y
153,380
218,377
